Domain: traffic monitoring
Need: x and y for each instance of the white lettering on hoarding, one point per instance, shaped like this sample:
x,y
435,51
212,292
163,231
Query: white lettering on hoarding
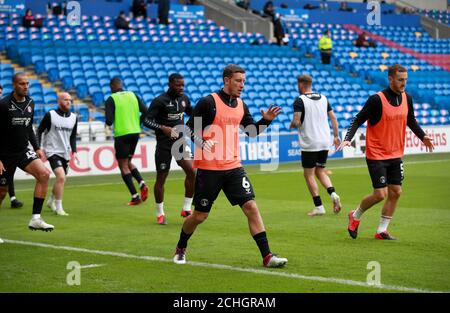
x,y
413,145
253,151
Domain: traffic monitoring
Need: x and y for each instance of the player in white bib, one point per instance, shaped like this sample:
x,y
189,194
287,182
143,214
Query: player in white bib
x,y
58,131
311,113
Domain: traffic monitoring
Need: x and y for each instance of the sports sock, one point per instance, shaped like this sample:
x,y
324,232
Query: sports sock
x,y
135,173
317,201
11,189
182,243
187,204
35,216
330,190
12,198
58,204
37,205
384,223
358,213
263,243
128,179
160,208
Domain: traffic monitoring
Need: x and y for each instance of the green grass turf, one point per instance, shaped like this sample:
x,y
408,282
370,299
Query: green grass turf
x,y
100,220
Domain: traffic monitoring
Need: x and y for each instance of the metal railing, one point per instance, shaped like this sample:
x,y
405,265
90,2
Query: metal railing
x,y
434,28
237,19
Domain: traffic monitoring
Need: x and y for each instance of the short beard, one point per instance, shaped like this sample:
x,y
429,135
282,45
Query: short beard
x,y
20,95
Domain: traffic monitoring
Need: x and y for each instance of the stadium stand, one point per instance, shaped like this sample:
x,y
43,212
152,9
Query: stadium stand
x,y
83,59
440,16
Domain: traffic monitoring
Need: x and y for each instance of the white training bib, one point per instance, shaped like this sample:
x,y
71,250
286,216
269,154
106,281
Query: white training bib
x,y
314,132
57,139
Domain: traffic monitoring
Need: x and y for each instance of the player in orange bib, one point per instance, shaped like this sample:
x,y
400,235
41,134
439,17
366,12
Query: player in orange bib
x,y
215,130
388,113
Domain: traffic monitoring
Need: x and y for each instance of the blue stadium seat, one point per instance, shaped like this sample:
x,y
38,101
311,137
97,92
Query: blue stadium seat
x,y
253,110
82,90
48,107
98,116
38,98
147,98
50,98
444,120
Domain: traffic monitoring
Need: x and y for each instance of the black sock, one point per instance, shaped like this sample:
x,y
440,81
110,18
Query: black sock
x,y
128,179
330,190
317,201
37,205
11,188
137,175
182,243
263,243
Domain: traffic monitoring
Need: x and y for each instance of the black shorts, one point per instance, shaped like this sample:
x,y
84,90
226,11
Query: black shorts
x,y
58,161
20,160
311,159
234,183
164,153
385,172
125,146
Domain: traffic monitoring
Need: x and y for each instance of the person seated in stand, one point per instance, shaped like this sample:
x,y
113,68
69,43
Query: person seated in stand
x,y
345,8
122,22
278,29
28,19
56,8
364,41
310,6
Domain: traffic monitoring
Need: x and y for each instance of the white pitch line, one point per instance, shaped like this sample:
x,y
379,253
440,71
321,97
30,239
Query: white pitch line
x,y
228,267
91,266
299,170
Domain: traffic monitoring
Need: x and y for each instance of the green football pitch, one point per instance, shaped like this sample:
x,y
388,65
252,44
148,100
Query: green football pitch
x,y
122,249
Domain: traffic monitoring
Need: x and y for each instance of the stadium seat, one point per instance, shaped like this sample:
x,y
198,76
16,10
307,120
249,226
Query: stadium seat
x,y
83,131
97,127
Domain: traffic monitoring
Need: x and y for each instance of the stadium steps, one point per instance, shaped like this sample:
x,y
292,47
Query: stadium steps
x,y
30,73
4,59
43,80
441,60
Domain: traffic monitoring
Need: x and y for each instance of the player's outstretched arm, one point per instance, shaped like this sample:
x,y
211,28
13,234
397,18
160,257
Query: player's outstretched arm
x,y
208,145
343,144
41,155
295,120
428,142
336,141
75,158
169,132
271,113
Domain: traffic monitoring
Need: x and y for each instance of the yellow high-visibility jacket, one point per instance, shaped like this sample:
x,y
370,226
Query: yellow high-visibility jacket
x,y
325,43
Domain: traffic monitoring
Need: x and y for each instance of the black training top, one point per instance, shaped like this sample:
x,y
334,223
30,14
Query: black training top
x,y
167,109
16,126
372,111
